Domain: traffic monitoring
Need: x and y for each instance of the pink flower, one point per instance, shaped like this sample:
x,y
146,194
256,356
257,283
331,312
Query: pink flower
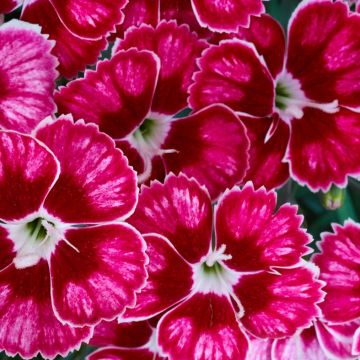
x,y
135,96
312,85
250,276
134,340
78,27
67,261
27,76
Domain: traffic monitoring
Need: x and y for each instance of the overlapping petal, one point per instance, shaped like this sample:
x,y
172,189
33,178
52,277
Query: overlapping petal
x,y
339,268
321,148
117,96
117,353
231,73
9,5
95,183
210,145
178,50
97,276
27,76
27,172
261,237
205,328
180,210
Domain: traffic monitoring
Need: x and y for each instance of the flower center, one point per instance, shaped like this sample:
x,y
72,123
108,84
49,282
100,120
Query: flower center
x,y
290,100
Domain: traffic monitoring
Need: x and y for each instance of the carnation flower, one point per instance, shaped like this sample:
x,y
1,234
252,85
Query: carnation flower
x,y
250,276
308,97
135,96
67,261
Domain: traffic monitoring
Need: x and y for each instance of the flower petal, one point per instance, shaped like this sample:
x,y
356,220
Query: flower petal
x,y
178,50
27,76
7,250
339,268
117,96
72,52
169,280
278,304
28,170
95,184
7,6
319,143
99,279
258,237
203,327
210,145
260,349
231,73
27,321
226,16
266,154
89,19
116,353
180,210
131,334
324,51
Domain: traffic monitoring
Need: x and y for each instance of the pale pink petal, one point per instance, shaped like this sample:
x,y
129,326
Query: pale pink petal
x,y
72,52
90,19
98,280
117,96
266,165
319,143
131,334
116,353
27,76
356,342
261,237
278,304
180,210
178,50
210,145
203,327
324,51
95,184
339,267
231,73
226,16
169,280
27,172
7,6
27,321
260,349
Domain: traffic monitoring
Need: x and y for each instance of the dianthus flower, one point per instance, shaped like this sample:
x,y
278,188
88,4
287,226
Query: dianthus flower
x,y
303,99
250,276
134,340
78,27
67,261
135,96
27,76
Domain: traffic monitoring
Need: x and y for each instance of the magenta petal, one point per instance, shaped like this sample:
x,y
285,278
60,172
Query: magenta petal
x,y
211,146
116,353
99,280
7,250
339,268
266,166
303,346
261,237
7,6
89,19
169,280
72,52
231,73
226,15
28,170
260,349
278,304
117,96
178,50
179,210
203,327
27,321
319,143
27,76
324,51
95,184
131,334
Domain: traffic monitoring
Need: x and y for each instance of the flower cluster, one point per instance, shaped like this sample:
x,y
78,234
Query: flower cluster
x,y
142,143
